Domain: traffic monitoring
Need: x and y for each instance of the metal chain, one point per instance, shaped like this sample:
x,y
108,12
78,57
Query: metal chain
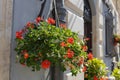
x,y
56,14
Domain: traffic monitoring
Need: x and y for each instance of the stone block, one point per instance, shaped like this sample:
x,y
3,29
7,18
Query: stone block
x,y
75,6
4,72
2,11
100,36
79,76
75,23
100,4
78,3
100,54
100,20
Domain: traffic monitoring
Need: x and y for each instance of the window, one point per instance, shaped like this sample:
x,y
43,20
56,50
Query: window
x,y
109,32
88,24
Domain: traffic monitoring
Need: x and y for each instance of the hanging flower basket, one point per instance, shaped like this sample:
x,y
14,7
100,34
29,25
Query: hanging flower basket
x,y
42,44
116,39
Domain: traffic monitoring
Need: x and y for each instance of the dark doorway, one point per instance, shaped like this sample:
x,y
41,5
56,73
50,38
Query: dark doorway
x,y
88,24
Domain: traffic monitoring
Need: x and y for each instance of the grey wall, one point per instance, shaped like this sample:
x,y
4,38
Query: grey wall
x,y
24,11
27,10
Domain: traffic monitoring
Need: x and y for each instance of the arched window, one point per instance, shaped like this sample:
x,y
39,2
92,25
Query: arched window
x,y
109,31
88,24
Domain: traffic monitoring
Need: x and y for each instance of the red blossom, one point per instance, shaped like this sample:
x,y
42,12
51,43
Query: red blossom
x,y
81,61
45,64
84,48
90,56
38,19
87,39
23,64
23,30
26,55
63,26
24,51
70,53
65,56
19,35
95,78
84,69
28,24
51,21
104,78
70,40
117,39
62,44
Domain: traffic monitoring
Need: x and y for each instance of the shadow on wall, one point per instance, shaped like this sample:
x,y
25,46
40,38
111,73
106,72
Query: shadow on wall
x,y
24,11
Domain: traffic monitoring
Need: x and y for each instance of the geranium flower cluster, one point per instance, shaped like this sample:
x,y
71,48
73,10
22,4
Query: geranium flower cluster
x,y
41,44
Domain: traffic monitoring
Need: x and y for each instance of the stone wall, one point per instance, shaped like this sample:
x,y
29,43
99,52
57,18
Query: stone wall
x,y
28,12
5,37
117,6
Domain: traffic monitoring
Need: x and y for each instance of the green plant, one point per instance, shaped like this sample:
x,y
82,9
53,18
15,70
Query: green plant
x,y
41,45
116,39
116,73
118,65
96,69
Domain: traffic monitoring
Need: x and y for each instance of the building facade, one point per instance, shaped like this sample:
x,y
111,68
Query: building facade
x,y
96,19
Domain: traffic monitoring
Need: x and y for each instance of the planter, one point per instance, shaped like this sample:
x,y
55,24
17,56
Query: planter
x,y
56,73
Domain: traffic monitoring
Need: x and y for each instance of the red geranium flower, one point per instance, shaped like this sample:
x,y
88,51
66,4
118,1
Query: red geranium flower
x,y
19,34
117,39
70,40
38,19
90,56
84,48
24,51
45,64
28,24
95,78
70,53
23,30
87,39
63,26
51,21
104,78
26,55
23,64
84,68
81,61
62,44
